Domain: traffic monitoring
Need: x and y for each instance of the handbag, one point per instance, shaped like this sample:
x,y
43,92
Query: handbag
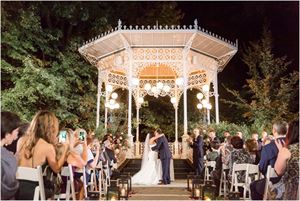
x,y
276,191
52,181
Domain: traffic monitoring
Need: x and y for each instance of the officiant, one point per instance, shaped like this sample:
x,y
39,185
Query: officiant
x,y
196,142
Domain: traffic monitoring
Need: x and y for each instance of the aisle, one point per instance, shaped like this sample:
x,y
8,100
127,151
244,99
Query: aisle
x,y
174,191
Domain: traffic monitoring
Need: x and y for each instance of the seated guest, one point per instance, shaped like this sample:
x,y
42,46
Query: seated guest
x,y
91,160
109,155
225,135
36,148
287,165
238,155
13,146
80,148
226,150
212,136
268,156
252,148
214,154
264,136
9,132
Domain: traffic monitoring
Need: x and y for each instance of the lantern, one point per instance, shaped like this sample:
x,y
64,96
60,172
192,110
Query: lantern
x,y
209,191
128,178
112,193
197,186
123,184
189,181
233,196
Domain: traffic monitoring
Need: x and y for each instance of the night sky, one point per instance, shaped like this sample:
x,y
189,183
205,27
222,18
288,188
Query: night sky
x,y
244,21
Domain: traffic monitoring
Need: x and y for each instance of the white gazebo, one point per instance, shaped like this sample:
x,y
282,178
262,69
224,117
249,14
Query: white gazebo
x,y
159,61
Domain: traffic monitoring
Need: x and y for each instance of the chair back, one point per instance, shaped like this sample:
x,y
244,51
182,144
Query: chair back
x,y
211,164
270,173
68,172
234,180
36,175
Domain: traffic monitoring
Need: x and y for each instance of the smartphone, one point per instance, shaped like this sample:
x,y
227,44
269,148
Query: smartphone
x,y
81,135
62,137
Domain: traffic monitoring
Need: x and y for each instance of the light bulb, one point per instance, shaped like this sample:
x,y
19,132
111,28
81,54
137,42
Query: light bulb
x,y
199,106
200,96
135,81
166,88
114,95
112,101
204,102
109,88
147,86
107,104
140,99
179,81
160,85
209,106
154,90
173,100
117,105
205,88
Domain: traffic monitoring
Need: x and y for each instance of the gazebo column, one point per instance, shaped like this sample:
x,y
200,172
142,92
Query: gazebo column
x,y
176,147
216,94
137,141
106,109
98,99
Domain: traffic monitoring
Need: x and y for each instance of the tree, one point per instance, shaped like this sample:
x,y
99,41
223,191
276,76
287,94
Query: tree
x,y
41,67
273,94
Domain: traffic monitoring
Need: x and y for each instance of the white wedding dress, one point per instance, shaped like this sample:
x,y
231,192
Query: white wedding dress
x,y
149,173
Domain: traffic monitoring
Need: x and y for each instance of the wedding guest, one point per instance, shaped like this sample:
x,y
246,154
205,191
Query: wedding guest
x,y
214,154
13,146
252,148
287,163
36,148
197,145
268,157
9,132
238,155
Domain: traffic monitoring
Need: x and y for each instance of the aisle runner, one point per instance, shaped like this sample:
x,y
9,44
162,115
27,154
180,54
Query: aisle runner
x,y
175,191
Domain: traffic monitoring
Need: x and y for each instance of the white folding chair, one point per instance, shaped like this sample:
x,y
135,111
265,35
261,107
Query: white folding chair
x,y
223,181
84,182
252,170
36,175
234,181
270,173
208,164
68,172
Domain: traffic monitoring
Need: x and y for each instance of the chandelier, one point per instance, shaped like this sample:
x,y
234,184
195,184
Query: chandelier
x,y
158,87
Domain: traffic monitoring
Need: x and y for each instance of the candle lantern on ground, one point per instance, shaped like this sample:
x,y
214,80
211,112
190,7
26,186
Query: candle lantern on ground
x,y
197,185
209,191
189,181
112,193
233,196
123,184
127,177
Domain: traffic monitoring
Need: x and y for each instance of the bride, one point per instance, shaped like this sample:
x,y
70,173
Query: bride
x,y
149,174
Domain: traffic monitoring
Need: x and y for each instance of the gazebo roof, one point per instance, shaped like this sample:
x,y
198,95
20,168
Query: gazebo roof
x,y
199,40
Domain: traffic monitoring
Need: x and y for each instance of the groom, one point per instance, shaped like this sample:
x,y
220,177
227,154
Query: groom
x,y
165,155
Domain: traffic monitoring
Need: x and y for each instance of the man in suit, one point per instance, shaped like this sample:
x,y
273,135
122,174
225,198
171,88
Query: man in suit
x,y
165,154
197,145
269,154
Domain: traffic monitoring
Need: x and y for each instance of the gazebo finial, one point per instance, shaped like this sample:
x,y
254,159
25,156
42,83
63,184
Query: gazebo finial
x,y
196,24
119,24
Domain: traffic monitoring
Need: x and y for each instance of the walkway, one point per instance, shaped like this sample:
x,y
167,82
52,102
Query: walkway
x,y
174,191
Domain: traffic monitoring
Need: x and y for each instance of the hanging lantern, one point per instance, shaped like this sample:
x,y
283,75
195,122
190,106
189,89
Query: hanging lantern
x,y
147,86
205,88
166,88
135,81
123,184
200,96
160,85
209,191
173,100
197,186
179,81
199,106
154,89
114,95
109,88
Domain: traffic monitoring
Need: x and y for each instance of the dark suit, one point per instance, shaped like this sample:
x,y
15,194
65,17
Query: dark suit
x,y
165,154
269,154
198,155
